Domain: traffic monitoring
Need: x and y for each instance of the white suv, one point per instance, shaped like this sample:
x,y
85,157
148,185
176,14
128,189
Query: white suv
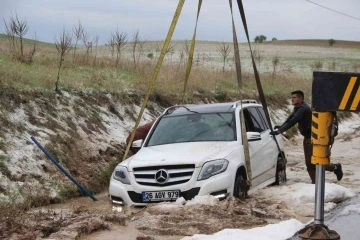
x,y
197,150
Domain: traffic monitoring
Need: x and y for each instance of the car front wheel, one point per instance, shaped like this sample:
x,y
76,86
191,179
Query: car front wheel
x,y
240,189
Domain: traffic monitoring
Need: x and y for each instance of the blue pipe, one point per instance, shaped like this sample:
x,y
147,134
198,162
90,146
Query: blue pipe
x,y
63,170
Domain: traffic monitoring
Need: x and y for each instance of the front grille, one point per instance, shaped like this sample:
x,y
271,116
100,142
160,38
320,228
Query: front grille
x,y
187,195
177,174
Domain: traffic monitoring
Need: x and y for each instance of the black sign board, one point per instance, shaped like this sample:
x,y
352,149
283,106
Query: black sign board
x,y
336,91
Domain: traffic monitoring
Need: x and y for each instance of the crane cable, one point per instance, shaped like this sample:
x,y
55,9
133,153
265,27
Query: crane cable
x,y
242,118
191,53
156,73
257,77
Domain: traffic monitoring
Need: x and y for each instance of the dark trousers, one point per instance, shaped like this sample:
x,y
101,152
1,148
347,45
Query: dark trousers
x,y
308,150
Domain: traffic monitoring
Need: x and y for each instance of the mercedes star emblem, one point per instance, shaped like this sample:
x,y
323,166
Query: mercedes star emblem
x,y
161,176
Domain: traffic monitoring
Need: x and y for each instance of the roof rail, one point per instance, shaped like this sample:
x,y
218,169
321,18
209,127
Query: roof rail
x,y
173,108
244,101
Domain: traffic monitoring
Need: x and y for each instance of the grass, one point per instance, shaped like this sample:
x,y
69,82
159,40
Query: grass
x,y
83,75
3,169
205,82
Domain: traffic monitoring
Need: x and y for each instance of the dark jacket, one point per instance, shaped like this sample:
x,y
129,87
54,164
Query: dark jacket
x,y
301,115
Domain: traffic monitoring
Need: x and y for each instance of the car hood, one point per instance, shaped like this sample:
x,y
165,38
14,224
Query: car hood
x,y
180,153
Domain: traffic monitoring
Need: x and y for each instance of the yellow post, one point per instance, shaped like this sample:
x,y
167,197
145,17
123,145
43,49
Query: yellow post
x,y
320,137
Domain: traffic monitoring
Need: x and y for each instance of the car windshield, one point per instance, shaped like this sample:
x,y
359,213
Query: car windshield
x,y
194,128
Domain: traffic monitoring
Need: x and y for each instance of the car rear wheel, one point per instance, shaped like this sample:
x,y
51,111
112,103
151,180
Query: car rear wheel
x,y
280,171
240,189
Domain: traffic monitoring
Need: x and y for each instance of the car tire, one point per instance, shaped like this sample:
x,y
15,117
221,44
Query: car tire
x,y
240,190
280,171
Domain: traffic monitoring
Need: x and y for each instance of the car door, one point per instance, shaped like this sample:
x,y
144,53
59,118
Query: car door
x,y
269,148
253,125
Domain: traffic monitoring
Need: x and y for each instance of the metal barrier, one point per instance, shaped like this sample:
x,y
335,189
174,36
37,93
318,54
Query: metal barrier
x,y
86,192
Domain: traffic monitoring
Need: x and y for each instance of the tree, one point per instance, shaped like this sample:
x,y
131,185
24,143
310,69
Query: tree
x,y
275,62
96,41
120,40
135,41
16,28
21,28
137,48
274,39
78,31
260,39
111,45
85,38
224,50
170,50
258,57
10,30
63,47
331,42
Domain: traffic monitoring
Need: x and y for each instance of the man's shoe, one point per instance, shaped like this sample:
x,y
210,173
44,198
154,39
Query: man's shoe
x,y
338,171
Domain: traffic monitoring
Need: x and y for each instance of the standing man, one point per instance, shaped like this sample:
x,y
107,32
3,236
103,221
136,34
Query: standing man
x,y
302,116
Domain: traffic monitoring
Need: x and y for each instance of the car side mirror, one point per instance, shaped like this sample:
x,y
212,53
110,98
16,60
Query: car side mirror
x,y
137,144
253,136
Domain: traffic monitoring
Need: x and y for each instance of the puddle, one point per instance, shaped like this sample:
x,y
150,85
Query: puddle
x,y
103,205
116,232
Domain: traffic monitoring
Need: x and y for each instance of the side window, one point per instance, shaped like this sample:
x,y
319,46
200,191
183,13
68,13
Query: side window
x,y
256,120
262,114
248,123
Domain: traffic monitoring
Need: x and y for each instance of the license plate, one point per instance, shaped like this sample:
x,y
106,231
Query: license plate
x,y
160,195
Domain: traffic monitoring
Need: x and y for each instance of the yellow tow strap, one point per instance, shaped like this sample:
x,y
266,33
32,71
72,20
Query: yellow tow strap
x,y
156,73
239,80
191,53
257,76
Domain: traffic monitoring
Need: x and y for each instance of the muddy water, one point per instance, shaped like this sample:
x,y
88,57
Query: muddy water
x,y
117,232
102,206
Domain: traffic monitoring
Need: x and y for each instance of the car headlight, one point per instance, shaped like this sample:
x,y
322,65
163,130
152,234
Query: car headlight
x,y
121,174
212,168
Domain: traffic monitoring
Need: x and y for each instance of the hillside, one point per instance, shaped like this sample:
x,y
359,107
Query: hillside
x,y
317,43
5,38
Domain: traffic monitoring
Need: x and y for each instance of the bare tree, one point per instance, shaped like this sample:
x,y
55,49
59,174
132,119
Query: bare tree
x,y
275,63
78,31
135,41
181,57
10,31
96,41
21,28
170,50
258,57
63,47
186,49
141,49
85,38
111,45
32,50
224,50
120,40
137,47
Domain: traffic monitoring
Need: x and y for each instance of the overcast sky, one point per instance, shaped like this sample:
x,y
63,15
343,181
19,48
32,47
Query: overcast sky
x,y
283,19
